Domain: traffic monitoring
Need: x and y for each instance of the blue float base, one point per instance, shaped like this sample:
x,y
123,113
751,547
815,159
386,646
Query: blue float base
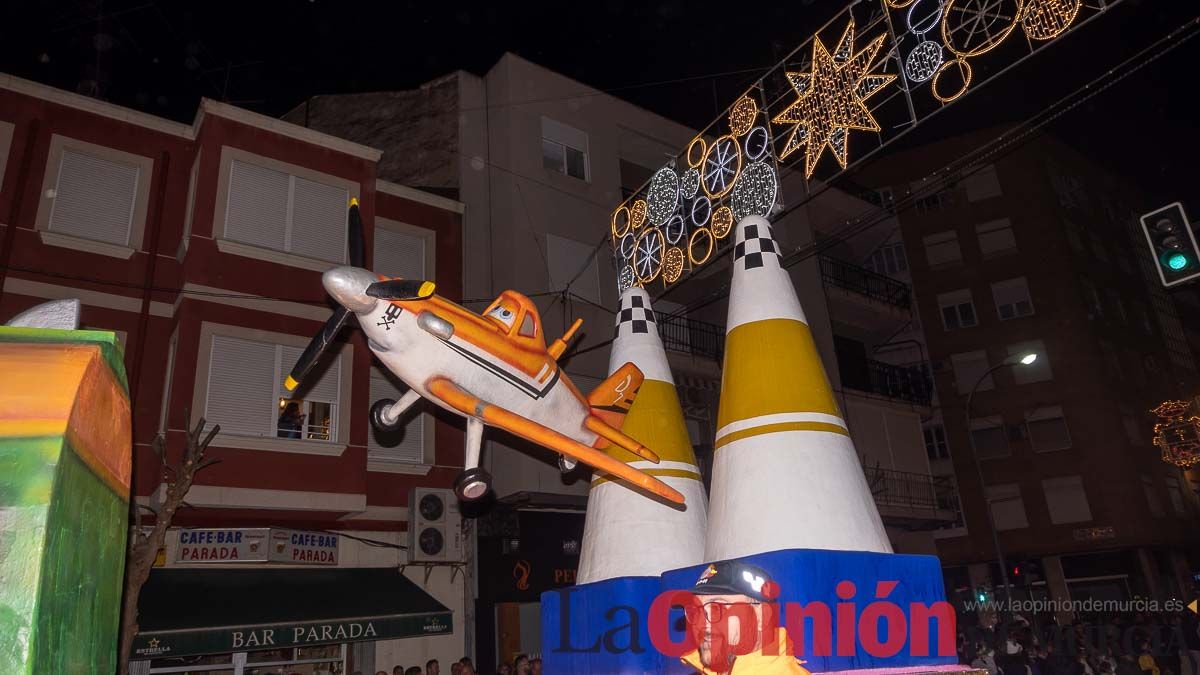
x,y
603,627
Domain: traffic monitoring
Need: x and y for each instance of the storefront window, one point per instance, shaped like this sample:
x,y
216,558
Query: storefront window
x,y
321,660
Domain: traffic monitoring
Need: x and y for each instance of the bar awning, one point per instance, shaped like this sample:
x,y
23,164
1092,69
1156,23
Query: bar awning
x,y
184,612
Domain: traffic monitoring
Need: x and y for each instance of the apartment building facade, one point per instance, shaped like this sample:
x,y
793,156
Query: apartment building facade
x,y
202,246
1041,251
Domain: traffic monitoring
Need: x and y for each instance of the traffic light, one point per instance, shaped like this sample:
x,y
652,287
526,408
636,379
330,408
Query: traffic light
x,y
1172,244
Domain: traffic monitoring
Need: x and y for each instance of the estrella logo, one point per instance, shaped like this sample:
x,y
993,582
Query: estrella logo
x,y
521,573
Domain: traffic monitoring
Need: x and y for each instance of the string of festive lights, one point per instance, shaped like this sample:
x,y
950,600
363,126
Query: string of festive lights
x,y
662,196
756,143
620,222
722,166
695,152
675,229
648,255
1047,19
701,210
689,183
722,222
637,214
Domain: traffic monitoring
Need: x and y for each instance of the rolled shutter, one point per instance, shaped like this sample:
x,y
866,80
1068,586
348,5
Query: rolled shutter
x,y
241,389
326,388
398,254
404,446
94,198
257,212
319,213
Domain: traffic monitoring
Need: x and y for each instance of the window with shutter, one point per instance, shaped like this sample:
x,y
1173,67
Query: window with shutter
x,y
990,438
1008,509
569,259
942,248
403,446
968,368
270,207
1066,500
982,184
1012,298
958,310
1047,427
996,237
245,394
94,198
241,387
399,254
564,149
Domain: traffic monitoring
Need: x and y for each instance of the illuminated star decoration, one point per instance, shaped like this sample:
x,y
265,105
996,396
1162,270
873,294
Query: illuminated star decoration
x,y
832,96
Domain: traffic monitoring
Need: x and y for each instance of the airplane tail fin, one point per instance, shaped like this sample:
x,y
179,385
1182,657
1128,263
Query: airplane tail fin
x,y
612,398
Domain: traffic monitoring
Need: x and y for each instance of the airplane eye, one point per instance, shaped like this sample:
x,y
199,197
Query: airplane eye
x,y
505,313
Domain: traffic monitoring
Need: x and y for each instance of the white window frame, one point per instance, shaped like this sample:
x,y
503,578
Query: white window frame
x,y
956,299
164,410
1049,484
566,136
345,403
220,212
428,443
940,446
1046,413
6,135
1006,284
887,255
1006,494
942,238
964,388
186,236
141,199
428,235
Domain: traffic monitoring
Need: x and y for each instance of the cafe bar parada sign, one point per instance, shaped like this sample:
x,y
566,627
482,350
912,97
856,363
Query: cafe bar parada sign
x,y
256,544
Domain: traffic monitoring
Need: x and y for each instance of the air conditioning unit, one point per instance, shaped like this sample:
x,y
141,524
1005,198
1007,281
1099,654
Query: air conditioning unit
x,y
434,526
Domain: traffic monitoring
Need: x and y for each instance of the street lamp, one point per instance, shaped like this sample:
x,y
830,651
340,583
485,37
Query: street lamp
x,y
1015,360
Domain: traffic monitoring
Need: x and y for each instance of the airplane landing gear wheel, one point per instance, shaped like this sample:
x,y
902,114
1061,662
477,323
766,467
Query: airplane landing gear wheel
x,y
566,465
472,484
377,415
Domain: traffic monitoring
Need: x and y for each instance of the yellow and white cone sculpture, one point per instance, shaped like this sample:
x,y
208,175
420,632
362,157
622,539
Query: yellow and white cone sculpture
x,y
626,532
785,472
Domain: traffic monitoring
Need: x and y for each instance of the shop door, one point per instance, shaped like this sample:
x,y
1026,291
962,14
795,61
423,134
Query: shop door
x,y
518,629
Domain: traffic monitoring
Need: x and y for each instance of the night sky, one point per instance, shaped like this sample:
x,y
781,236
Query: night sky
x,y
678,59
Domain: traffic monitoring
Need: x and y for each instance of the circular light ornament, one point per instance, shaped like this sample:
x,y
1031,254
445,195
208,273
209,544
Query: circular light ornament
x,y
701,210
689,183
620,222
742,115
700,246
627,244
662,196
673,265
626,278
722,222
695,152
637,214
676,228
755,192
648,255
722,166
756,143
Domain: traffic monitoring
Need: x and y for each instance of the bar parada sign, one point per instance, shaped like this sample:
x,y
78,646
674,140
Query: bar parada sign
x,y
246,638
256,544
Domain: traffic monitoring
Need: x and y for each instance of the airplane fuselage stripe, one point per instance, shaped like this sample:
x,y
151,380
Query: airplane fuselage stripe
x,y
528,389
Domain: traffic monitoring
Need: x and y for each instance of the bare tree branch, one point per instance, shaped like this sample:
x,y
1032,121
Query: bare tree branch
x,y
143,549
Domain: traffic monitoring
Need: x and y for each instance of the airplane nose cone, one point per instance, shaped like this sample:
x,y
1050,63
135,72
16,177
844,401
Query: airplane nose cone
x,y
348,285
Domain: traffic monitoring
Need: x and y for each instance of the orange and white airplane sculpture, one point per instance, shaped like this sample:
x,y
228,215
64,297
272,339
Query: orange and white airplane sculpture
x,y
492,368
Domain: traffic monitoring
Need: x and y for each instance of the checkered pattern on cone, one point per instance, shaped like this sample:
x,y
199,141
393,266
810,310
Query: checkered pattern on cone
x,y
754,245
636,314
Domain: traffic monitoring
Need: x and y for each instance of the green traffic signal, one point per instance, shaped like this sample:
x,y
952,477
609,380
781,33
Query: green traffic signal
x,y
1177,261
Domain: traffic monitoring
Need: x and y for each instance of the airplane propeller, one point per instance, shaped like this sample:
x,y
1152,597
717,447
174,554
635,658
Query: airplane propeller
x,y
391,289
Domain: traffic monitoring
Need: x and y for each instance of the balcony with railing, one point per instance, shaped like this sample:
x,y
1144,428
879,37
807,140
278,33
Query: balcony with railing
x,y
862,282
904,383
915,501
689,336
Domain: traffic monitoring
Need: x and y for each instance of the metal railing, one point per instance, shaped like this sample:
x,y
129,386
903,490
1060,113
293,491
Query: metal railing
x,y
875,286
907,383
912,490
699,338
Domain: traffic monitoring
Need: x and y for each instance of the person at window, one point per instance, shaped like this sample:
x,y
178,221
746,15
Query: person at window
x,y
291,421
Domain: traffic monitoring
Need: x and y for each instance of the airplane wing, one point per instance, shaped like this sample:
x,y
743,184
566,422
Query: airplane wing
x,y
472,406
